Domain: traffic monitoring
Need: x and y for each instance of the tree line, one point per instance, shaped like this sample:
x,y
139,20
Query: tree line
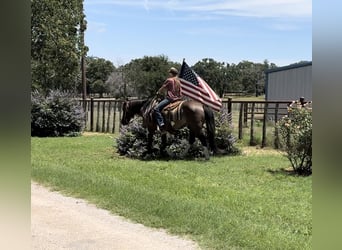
x,y
142,77
57,50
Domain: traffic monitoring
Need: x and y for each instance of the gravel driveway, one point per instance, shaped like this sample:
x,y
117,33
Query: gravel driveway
x,y
59,222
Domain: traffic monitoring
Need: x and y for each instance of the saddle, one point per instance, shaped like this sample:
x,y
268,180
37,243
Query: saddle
x,y
173,111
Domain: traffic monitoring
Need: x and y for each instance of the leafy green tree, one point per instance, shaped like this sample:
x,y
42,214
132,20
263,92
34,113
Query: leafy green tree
x,y
144,76
248,77
56,43
97,73
231,76
213,73
224,77
116,84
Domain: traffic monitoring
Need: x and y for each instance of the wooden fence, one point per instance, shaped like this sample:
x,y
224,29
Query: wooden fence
x,y
265,112
104,115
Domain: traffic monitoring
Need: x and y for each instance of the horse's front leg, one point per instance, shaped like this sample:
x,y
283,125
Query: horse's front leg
x,y
150,141
163,145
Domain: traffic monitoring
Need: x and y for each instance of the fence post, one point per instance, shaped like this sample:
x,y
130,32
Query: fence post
x,y
251,141
276,132
245,114
109,109
84,106
263,143
229,105
91,114
98,117
114,117
302,101
240,120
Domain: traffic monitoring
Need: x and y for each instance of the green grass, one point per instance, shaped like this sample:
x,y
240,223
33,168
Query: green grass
x,y
240,202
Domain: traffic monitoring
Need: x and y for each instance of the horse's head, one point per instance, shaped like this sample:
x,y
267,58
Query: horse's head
x,y
130,109
127,113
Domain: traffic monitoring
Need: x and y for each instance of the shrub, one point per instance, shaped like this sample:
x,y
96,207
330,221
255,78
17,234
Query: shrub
x,y
57,114
224,138
132,141
295,137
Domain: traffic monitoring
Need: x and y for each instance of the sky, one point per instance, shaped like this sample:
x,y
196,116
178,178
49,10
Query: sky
x,y
230,31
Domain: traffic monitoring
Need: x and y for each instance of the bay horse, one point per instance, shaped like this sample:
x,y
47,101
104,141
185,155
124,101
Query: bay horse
x,y
192,114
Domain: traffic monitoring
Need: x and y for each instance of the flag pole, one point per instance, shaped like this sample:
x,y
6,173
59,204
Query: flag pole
x,y
181,69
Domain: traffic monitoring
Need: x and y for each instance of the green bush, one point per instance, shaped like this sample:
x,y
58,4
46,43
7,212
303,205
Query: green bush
x,y
57,114
295,137
224,138
132,141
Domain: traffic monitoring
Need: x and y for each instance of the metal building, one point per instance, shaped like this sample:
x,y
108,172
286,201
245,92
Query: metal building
x,y
289,82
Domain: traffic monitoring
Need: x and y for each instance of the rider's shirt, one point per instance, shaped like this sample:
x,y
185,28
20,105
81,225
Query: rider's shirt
x,y
173,88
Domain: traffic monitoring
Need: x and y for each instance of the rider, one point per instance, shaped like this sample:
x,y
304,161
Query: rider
x,y
172,91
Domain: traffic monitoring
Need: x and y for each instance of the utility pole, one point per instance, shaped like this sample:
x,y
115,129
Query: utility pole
x,y
84,80
83,27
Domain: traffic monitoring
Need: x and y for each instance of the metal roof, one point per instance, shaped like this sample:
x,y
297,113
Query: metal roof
x,y
292,66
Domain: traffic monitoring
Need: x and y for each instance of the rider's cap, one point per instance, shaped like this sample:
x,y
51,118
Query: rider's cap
x,y
173,71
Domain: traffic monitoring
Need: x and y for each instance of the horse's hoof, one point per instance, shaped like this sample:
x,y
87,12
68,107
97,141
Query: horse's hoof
x,y
206,154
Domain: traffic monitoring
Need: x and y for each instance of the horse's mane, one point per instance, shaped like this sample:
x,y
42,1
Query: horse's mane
x,y
147,107
139,105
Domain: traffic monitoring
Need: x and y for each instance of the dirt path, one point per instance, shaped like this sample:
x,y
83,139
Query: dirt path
x,y
59,222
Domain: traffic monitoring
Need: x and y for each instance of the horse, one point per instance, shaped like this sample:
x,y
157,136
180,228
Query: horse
x,y
191,114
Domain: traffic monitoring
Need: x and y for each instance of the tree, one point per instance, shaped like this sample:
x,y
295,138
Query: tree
x,y
98,71
56,44
223,77
248,76
144,76
116,84
213,73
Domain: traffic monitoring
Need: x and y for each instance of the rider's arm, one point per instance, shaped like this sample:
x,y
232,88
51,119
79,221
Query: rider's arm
x,y
163,89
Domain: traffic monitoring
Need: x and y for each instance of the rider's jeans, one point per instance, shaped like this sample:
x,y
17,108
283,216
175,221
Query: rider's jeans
x,y
158,110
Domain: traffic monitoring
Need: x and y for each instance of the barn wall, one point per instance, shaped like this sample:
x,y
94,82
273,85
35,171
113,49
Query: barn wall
x,y
289,84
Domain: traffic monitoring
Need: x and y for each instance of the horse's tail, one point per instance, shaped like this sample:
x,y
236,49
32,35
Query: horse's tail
x,y
210,123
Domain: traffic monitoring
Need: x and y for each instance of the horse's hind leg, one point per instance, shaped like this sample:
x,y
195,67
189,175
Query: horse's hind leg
x,y
192,137
203,140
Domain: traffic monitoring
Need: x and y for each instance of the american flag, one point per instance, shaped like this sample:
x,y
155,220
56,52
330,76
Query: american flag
x,y
197,89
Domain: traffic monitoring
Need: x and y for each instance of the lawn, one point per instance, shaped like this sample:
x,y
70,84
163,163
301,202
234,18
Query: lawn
x,y
248,201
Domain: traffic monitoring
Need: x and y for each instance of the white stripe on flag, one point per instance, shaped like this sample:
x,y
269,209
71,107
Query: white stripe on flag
x,y
196,88
191,90
196,93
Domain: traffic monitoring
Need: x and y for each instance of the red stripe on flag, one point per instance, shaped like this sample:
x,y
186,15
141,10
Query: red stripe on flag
x,y
207,88
197,89
203,99
197,93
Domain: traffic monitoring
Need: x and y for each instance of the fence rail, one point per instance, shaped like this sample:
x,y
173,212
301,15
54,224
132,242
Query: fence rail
x,y
263,111
104,114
